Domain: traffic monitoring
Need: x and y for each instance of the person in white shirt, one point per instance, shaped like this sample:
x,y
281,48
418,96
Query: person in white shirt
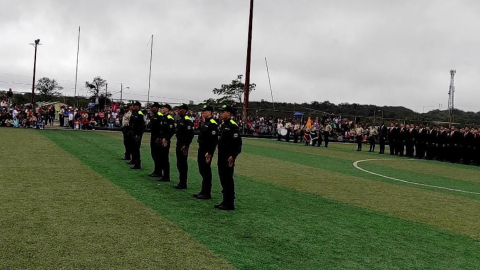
x,y
279,129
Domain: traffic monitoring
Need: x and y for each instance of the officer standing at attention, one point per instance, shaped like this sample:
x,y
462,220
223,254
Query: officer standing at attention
x,y
383,138
125,130
167,131
326,134
137,127
155,141
229,147
184,139
207,142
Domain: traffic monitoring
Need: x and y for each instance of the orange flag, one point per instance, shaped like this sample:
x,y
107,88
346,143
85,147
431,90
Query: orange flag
x,y
309,123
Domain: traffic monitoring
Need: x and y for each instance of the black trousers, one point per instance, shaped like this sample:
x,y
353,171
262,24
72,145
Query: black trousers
x,y
382,145
205,170
62,120
136,144
400,148
295,137
419,150
325,138
155,152
392,145
467,154
164,155
320,139
127,143
371,139
182,165
225,174
359,142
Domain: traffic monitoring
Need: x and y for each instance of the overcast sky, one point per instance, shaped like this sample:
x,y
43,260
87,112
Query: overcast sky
x,y
380,52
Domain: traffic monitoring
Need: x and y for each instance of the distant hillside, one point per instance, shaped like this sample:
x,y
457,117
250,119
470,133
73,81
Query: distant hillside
x,y
364,112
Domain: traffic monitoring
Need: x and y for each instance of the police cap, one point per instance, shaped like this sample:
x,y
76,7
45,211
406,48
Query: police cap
x,y
226,108
155,105
206,108
182,106
165,105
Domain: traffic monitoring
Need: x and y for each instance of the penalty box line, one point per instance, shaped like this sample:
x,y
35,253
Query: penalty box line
x,y
355,164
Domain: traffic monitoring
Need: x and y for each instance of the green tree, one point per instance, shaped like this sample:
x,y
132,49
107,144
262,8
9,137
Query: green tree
x,y
232,92
97,85
48,88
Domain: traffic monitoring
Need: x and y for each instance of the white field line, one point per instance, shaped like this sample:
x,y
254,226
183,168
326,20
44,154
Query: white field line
x,y
355,164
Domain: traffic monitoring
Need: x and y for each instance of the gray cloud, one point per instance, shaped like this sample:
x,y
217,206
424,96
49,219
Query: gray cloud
x,y
375,52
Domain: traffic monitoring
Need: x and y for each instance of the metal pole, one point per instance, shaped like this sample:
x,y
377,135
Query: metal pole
x,y
269,82
150,74
76,70
374,116
121,93
247,72
32,101
106,93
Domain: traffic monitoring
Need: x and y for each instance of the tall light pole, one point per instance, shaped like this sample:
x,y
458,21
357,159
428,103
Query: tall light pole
x,y
247,72
32,101
121,92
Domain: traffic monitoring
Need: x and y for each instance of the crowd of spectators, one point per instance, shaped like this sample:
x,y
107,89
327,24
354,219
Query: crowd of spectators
x,y
22,116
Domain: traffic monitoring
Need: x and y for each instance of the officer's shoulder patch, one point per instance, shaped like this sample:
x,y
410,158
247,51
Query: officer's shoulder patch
x,y
140,112
213,121
187,118
159,114
169,116
233,122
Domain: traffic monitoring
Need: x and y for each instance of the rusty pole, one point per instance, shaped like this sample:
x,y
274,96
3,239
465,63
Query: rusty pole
x,y
247,72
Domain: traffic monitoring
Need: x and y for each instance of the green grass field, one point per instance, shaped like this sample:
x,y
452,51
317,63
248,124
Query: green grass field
x,y
67,201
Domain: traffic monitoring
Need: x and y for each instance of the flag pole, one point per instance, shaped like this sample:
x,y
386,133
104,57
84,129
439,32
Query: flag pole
x,y
76,69
270,83
150,73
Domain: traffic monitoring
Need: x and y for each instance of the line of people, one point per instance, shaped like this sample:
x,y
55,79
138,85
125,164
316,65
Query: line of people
x,y
163,127
432,142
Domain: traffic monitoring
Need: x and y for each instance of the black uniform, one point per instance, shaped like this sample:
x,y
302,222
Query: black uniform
x,y
402,136
442,141
421,143
167,130
207,143
184,139
392,140
477,148
410,142
382,134
454,146
155,143
137,127
431,144
229,145
468,147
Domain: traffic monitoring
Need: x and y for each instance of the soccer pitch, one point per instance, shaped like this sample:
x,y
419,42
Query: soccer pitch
x,y
67,201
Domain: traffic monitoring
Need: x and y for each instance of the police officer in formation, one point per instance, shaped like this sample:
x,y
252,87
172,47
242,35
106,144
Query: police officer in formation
x,y
207,143
163,127
127,141
229,147
136,129
156,119
436,143
184,136
167,130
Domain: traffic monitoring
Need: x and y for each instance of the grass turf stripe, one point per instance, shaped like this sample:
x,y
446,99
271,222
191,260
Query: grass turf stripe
x,y
277,227
56,213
